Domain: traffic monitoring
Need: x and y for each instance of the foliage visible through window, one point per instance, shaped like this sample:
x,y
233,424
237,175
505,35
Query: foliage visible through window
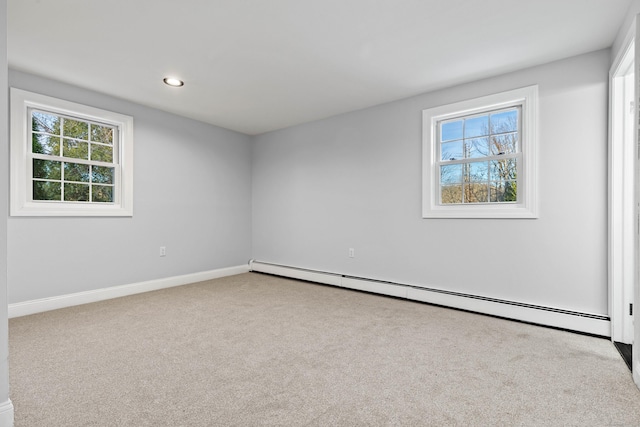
x,y
72,159
69,159
479,156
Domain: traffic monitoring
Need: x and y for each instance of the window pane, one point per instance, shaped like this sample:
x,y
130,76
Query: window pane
x,y
476,126
504,121
475,192
504,144
451,130
102,193
450,174
477,147
476,172
102,153
76,129
46,190
76,172
102,134
102,175
46,169
502,170
45,144
504,191
43,122
76,192
75,149
451,194
451,150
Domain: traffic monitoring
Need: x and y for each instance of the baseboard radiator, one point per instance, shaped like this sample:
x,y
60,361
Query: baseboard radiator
x,y
548,316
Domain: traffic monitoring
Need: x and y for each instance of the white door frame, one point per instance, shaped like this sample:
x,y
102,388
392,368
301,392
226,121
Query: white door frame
x,y
622,197
635,354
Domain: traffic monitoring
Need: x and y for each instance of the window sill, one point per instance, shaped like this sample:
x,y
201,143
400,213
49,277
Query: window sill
x,y
42,209
483,211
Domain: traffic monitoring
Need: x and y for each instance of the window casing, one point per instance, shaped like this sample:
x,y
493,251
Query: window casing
x,y
69,159
480,157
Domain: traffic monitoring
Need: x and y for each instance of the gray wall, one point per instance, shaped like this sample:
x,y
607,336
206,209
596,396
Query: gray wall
x,y
4,208
634,9
354,180
192,194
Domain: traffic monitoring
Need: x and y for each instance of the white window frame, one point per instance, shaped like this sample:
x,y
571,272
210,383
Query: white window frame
x,y
527,206
22,203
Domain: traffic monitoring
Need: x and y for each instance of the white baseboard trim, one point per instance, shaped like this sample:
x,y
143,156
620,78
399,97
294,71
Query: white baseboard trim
x,y
6,414
53,303
548,316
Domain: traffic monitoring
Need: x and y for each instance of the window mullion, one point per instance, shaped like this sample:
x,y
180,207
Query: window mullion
x,y
62,119
464,155
72,160
61,179
89,145
479,159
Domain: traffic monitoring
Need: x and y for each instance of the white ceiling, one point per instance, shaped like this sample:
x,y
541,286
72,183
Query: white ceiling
x,y
260,65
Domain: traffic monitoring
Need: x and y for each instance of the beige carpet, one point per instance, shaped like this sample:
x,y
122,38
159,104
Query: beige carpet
x,y
255,350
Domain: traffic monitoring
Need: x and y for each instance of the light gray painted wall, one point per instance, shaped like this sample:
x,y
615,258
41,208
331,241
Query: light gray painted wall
x,y
4,208
192,194
354,180
634,9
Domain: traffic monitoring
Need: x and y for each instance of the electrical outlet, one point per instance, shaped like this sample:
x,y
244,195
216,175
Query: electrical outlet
x,y
163,251
352,253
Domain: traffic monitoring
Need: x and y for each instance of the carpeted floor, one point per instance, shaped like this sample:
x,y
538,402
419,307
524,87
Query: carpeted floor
x,y
253,349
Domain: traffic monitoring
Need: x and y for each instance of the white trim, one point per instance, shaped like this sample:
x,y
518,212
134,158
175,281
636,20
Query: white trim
x,y
297,273
376,287
6,413
53,303
20,199
547,316
527,97
621,250
635,351
624,47
525,314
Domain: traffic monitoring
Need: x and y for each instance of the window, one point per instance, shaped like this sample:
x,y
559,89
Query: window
x,y
68,159
480,157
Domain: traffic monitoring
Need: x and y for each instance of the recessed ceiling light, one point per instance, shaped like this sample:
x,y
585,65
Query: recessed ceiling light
x,y
172,81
